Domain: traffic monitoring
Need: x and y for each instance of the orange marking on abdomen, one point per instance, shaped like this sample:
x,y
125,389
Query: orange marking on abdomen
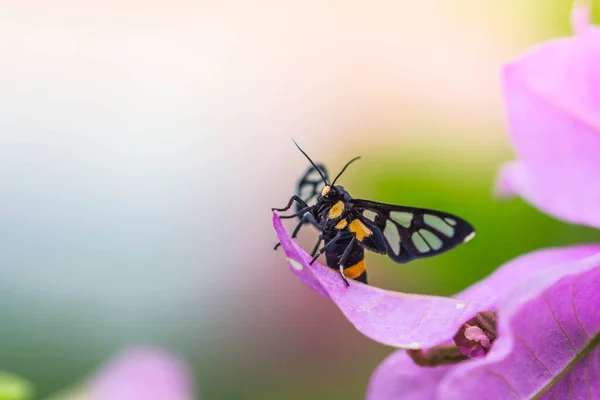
x,y
356,270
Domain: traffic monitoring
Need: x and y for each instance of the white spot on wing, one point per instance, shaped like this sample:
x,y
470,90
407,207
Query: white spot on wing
x,y
439,224
295,264
420,243
370,215
469,237
306,191
393,236
403,218
460,306
450,221
313,175
413,346
431,239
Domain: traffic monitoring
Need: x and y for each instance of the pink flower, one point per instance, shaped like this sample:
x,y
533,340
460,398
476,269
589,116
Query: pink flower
x,y
552,97
548,325
142,374
548,330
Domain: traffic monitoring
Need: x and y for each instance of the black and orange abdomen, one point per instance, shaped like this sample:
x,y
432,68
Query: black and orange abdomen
x,y
355,263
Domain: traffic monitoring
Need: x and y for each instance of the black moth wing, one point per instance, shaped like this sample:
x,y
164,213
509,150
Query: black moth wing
x,y
412,232
310,185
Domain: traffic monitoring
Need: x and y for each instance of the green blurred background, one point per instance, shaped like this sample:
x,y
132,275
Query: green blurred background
x,y
143,144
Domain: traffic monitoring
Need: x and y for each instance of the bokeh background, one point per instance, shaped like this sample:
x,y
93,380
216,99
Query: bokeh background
x,y
142,145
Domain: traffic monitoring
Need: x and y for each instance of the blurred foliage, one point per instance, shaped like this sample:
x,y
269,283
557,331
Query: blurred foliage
x,y
13,387
462,186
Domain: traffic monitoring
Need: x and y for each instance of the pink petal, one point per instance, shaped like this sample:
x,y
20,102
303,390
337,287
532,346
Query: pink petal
x,y
143,374
552,96
416,321
398,377
476,352
549,316
540,334
396,319
541,267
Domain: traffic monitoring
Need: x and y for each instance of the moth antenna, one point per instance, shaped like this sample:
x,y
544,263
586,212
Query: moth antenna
x,y
343,169
311,161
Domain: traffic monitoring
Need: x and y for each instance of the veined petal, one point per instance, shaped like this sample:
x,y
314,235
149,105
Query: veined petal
x,y
548,332
547,338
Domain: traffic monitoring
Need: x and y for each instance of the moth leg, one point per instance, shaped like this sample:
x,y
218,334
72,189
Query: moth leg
x,y
299,213
312,254
324,248
307,217
343,259
343,276
289,204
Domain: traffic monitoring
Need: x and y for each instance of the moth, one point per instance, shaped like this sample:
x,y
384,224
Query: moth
x,y
350,226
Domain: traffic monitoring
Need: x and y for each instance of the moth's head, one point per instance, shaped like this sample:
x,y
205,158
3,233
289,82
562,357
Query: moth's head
x,y
333,193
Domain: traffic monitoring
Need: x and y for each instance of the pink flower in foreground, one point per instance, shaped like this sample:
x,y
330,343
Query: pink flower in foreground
x,y
552,95
548,326
142,374
548,332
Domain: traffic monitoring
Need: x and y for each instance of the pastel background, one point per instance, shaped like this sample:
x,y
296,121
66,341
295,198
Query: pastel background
x,y
142,145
